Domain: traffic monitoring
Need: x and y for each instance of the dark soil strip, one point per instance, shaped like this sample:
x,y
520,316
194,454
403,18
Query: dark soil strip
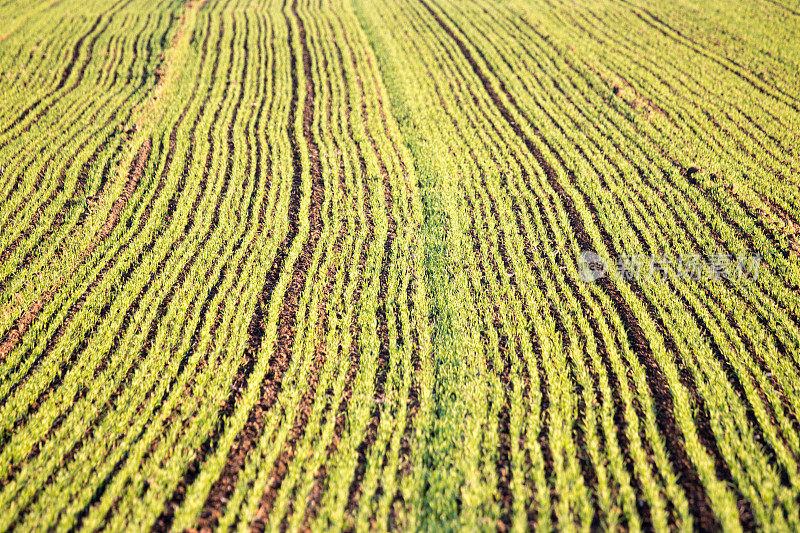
x,y
655,73
688,477
134,175
12,337
680,222
204,310
204,313
718,208
315,494
383,284
354,353
503,467
64,76
67,364
659,26
142,220
787,8
271,387
22,325
320,356
83,108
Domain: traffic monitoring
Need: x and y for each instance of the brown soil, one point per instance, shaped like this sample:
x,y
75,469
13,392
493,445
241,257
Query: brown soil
x,y
687,473
271,387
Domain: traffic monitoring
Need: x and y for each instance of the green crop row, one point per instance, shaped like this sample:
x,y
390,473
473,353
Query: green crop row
x,y
289,265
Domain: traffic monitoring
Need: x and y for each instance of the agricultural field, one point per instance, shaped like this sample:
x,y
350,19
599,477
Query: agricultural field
x,y
399,264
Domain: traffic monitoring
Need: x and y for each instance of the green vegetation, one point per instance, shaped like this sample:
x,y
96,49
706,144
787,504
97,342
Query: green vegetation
x,y
289,265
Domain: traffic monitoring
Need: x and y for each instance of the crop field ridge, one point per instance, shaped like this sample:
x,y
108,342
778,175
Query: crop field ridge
x,y
399,265
659,390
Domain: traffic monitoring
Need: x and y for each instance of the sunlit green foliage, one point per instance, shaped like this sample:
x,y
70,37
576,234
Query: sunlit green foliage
x,y
293,265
